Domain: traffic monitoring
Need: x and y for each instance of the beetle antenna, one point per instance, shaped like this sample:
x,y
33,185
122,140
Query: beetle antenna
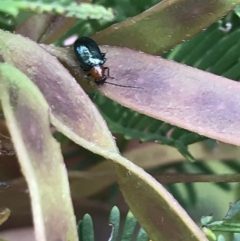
x,y
132,87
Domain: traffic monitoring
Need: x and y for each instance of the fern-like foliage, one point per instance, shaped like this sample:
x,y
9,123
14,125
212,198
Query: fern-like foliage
x,y
133,125
86,233
230,224
215,50
68,8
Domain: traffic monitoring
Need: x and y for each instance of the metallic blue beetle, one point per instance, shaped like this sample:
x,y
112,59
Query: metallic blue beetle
x,y
91,59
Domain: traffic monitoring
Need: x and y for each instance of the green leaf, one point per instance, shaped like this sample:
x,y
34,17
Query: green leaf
x,y
206,219
191,52
225,226
237,11
233,211
114,220
133,125
210,235
228,224
236,237
129,226
67,8
166,24
214,50
221,238
142,235
85,229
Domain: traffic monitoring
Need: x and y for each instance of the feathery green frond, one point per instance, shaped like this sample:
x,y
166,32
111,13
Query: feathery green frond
x,y
86,233
133,125
66,8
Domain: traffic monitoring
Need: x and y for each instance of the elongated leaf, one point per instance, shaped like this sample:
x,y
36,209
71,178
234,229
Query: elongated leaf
x,y
85,229
165,25
171,223
225,226
74,115
233,211
86,233
114,220
39,155
142,236
177,94
180,95
129,227
59,88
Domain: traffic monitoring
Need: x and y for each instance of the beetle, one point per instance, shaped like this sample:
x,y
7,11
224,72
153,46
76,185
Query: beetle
x,y
92,60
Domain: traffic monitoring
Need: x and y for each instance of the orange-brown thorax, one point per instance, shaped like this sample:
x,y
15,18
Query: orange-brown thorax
x,y
97,72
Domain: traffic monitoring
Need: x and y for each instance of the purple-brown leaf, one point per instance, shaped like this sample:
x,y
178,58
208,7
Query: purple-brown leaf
x,y
27,116
165,25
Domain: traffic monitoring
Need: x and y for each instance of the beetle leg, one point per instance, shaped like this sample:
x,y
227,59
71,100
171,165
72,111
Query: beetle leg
x,y
108,73
87,77
106,68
